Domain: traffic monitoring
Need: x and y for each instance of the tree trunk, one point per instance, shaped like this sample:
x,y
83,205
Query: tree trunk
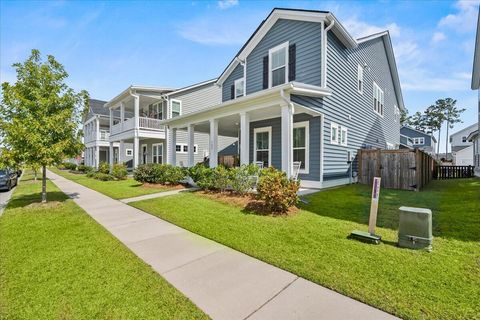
x,y
44,184
35,174
438,143
446,142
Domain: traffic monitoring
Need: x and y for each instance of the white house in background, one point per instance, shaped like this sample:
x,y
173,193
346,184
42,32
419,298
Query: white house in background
x,y
474,137
96,131
462,149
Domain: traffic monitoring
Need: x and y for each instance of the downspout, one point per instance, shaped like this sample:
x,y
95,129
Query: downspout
x,y
324,53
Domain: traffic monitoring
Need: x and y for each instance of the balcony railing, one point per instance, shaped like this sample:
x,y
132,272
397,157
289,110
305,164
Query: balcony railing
x,y
104,134
143,123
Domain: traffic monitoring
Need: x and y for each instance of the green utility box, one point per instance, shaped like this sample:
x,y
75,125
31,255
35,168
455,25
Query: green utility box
x,y
415,228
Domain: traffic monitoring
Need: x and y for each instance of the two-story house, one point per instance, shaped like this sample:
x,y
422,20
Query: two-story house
x,y
142,138
462,148
96,131
474,137
302,89
418,139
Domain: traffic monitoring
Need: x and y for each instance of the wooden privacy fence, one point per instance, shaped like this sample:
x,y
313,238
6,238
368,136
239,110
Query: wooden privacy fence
x,y
399,169
454,172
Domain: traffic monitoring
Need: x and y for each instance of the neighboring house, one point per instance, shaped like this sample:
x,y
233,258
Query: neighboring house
x,y
96,131
302,89
418,139
462,149
474,137
143,109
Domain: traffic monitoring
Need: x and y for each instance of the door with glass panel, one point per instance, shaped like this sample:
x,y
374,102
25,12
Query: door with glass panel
x,y
144,153
157,153
263,142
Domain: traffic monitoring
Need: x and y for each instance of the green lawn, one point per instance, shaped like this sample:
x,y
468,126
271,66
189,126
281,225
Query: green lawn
x,y
57,263
444,284
122,189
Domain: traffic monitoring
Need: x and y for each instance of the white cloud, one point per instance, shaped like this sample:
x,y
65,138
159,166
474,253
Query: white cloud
x,y
465,19
361,29
225,4
418,79
438,37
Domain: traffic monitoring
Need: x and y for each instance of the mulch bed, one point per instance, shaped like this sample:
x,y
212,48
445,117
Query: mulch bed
x,y
163,186
248,202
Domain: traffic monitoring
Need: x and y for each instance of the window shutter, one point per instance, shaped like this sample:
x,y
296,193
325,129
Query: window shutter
x,y
292,61
265,72
232,92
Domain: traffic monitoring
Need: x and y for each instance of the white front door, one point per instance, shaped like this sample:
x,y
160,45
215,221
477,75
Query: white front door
x,y
263,146
157,153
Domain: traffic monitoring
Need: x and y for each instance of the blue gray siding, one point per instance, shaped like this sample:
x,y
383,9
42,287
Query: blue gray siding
x,y
236,74
306,36
415,134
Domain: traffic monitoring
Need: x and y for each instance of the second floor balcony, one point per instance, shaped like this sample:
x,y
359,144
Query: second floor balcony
x,y
144,123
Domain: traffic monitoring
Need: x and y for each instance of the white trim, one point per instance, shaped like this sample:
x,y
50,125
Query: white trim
x,y
182,147
360,82
339,133
306,125
235,84
263,129
418,141
381,98
127,151
283,46
193,86
171,109
158,153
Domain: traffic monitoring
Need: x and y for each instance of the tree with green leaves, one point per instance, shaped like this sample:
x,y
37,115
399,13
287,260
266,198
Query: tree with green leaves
x,y
40,116
434,118
404,116
452,116
417,121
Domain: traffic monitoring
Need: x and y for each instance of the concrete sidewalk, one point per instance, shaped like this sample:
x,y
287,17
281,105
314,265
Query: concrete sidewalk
x,y
224,283
157,195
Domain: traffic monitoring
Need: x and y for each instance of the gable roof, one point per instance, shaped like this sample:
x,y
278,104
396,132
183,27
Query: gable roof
x,y
476,58
466,130
314,16
418,131
97,107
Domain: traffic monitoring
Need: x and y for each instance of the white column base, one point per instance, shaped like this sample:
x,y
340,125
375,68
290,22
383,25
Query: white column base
x,y
244,138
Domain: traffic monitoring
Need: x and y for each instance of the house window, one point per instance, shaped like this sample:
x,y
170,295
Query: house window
x,y
263,142
396,113
419,140
301,144
155,111
129,152
278,61
239,88
183,148
378,99
175,108
360,79
157,153
464,139
339,134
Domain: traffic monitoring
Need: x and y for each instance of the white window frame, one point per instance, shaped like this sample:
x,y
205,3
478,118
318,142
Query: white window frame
x,y
129,152
306,125
360,83
159,154
182,145
419,141
171,107
239,83
285,46
378,95
390,146
339,133
146,156
258,130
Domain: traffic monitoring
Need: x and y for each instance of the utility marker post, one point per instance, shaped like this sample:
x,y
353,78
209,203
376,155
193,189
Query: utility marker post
x,y
374,205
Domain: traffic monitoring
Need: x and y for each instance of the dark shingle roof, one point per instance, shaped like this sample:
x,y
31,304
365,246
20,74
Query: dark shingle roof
x,y
96,107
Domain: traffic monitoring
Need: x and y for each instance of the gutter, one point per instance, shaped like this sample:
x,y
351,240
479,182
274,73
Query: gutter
x,y
324,56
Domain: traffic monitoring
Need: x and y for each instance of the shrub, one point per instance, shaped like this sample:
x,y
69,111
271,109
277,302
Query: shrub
x,y
203,176
159,173
119,171
143,173
174,174
278,192
103,176
85,169
91,174
243,178
222,178
69,166
104,167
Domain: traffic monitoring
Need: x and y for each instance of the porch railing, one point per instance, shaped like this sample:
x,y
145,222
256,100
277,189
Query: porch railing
x,y
144,123
151,123
104,134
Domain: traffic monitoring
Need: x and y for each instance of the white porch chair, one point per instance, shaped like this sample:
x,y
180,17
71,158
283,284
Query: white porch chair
x,y
296,169
259,164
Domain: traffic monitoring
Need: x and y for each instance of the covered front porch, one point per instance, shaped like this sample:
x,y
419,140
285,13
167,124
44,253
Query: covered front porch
x,y
271,131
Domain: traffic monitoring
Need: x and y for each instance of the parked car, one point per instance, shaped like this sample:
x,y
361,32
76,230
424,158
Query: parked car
x,y
8,178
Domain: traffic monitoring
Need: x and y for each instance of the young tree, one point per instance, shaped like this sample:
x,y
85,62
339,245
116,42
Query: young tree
x,y
452,116
404,116
434,118
417,121
40,115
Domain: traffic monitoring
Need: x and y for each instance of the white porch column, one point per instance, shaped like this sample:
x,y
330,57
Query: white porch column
x,y
121,152
287,139
97,156
191,141
244,138
97,124
122,113
173,150
137,111
111,121
136,152
110,153
213,150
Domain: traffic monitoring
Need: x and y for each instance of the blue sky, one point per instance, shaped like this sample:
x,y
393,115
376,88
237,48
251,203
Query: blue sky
x,y
106,46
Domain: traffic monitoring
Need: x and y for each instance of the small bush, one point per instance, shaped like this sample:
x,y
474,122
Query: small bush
x,y
103,176
143,173
119,171
85,169
91,174
243,178
159,173
222,178
203,176
104,167
69,166
278,192
174,175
